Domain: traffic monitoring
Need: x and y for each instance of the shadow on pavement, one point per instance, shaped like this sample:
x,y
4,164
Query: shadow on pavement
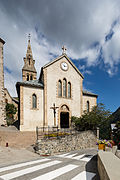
x,y
91,167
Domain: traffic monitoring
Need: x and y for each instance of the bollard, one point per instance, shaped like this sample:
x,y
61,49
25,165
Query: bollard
x,y
6,144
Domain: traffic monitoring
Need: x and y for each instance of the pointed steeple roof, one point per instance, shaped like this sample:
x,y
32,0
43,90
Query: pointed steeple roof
x,y
29,49
29,64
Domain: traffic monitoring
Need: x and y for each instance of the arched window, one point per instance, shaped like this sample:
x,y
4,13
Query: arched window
x,y
27,77
31,77
88,106
69,90
64,88
59,88
34,101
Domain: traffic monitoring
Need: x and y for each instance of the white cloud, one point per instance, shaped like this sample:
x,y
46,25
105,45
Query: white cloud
x,y
111,51
84,70
78,25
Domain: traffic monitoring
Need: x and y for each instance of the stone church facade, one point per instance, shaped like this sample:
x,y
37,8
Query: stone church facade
x,y
52,99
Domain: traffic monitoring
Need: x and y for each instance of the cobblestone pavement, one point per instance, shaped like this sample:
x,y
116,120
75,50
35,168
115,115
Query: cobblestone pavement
x,y
24,165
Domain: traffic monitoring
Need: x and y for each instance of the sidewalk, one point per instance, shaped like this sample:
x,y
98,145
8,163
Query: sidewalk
x,y
12,156
19,146
16,138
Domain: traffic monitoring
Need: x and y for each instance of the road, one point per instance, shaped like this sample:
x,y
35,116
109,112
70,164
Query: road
x,y
75,165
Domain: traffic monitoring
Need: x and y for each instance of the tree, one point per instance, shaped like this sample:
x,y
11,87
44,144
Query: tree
x,y
10,112
98,117
115,116
116,133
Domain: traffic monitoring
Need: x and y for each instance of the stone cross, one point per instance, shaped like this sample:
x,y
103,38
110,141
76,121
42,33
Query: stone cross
x,y
54,111
64,50
29,36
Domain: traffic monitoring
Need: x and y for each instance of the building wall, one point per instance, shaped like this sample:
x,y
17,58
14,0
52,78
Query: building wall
x,y
2,99
29,117
92,102
52,74
43,115
8,98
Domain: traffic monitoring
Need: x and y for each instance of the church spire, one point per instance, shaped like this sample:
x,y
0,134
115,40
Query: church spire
x,y
28,70
29,50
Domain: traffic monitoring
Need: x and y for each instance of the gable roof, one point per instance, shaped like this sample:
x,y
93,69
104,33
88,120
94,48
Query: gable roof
x,y
33,83
1,40
87,93
58,58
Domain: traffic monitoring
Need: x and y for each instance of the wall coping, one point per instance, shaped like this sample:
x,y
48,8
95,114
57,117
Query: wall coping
x,y
111,164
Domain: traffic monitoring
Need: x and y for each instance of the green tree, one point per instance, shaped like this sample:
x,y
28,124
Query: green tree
x,y
116,133
98,117
10,112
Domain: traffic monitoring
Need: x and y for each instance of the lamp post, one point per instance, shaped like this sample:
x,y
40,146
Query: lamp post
x,y
54,112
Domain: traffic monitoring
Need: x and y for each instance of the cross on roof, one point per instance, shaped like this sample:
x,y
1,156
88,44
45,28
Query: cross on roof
x,y
64,50
29,36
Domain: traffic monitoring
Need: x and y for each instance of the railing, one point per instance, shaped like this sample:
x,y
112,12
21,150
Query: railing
x,y
54,132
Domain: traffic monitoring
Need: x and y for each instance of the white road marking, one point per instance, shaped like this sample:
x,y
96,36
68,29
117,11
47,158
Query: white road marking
x,y
70,156
53,174
62,155
87,159
28,170
22,164
78,157
84,176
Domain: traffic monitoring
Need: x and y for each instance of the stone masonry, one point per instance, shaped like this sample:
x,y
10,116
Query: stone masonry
x,y
28,70
77,141
2,98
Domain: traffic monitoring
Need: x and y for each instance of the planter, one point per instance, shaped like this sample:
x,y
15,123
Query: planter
x,y
101,147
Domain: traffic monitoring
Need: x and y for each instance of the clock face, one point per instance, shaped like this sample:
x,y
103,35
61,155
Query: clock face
x,y
64,66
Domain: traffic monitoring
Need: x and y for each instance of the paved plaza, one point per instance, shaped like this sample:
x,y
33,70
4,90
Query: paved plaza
x,y
25,165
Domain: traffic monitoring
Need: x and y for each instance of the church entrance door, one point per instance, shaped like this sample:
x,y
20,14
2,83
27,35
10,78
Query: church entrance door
x,y
64,119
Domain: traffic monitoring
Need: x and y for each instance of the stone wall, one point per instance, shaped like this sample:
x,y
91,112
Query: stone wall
x,y
108,166
77,141
2,98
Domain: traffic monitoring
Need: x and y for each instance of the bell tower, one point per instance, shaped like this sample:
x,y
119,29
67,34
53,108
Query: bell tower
x,y
28,70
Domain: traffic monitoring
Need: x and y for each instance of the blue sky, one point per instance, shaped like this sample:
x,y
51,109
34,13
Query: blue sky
x,y
89,29
96,80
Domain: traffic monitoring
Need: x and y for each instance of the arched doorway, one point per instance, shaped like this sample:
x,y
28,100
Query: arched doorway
x,y
64,117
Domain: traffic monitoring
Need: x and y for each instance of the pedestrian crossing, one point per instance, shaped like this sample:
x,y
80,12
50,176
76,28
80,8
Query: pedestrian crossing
x,y
46,169
22,165
82,157
84,176
53,174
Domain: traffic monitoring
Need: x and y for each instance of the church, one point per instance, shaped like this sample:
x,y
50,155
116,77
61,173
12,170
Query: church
x,y
53,98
